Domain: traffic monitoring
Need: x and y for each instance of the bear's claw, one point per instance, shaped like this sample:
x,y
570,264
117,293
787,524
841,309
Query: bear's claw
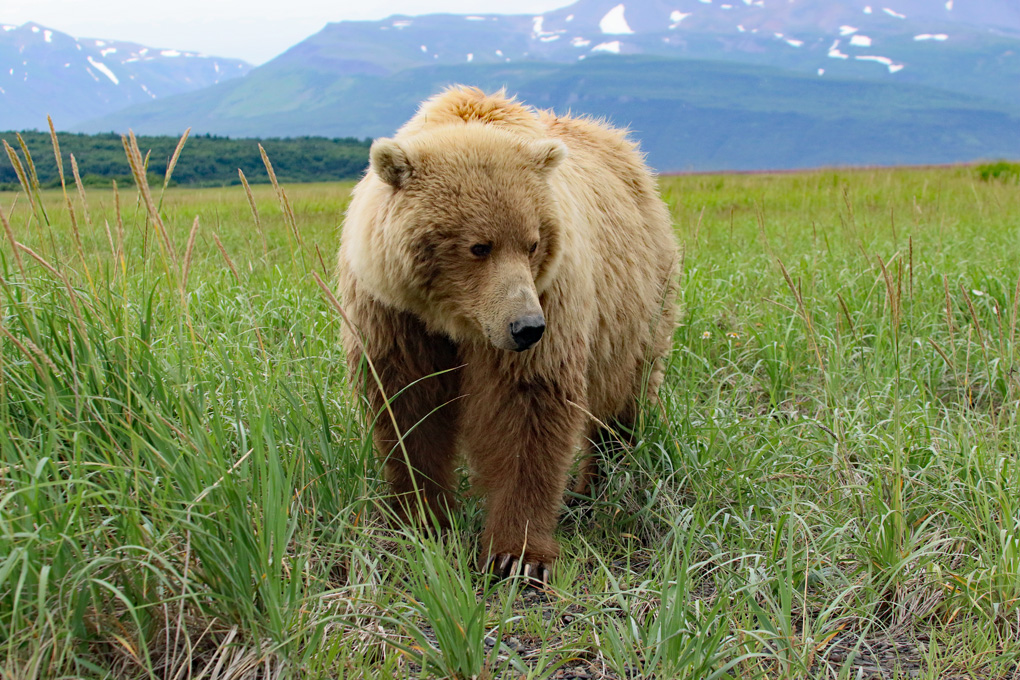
x,y
505,565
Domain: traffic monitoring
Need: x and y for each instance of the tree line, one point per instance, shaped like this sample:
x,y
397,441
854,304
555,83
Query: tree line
x,y
206,160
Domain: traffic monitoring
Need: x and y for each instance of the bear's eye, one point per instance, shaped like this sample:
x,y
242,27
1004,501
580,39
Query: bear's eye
x,y
481,249
533,248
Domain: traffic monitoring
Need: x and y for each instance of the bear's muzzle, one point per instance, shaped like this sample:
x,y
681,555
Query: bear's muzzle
x,y
527,330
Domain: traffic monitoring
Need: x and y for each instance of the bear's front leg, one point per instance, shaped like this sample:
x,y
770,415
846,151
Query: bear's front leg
x,y
413,404
520,434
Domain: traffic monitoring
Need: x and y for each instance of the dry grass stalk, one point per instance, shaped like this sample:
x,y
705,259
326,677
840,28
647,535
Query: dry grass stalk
x,y
254,212
911,288
811,337
67,200
81,191
759,215
1012,318
848,202
949,320
120,225
30,164
14,245
974,316
942,354
322,263
40,259
187,255
138,170
223,252
74,222
27,353
56,154
173,161
19,170
892,295
71,294
288,214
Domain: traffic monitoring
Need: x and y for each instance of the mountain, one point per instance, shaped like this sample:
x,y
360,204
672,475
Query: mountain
x,y
741,84
969,46
48,72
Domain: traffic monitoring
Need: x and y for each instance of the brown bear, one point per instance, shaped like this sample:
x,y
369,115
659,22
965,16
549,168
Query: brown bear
x,y
510,275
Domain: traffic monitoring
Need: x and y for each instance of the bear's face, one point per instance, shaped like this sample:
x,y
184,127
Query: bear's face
x,y
469,234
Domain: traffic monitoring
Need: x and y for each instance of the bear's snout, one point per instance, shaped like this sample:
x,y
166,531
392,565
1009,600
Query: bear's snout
x,y
527,330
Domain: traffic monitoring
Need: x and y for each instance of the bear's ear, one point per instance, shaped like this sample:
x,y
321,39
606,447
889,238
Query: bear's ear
x,y
389,161
549,153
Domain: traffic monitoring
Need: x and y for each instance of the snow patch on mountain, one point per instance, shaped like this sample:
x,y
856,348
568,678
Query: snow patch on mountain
x,y
615,23
612,47
835,53
677,17
886,61
537,30
105,70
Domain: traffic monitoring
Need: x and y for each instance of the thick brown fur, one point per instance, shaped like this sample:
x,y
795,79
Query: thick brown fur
x,y
475,169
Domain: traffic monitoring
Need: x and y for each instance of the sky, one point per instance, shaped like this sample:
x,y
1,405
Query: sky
x,y
253,30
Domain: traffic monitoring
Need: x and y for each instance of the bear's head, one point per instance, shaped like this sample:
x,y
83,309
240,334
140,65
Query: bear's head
x,y
460,227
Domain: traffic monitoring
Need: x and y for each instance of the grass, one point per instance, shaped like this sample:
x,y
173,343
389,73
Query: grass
x,y
831,487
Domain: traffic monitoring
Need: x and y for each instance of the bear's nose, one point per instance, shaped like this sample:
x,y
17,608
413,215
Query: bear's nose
x,y
527,330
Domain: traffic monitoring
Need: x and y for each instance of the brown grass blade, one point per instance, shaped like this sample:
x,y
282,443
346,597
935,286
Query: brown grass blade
x,y
138,170
254,212
14,245
187,255
56,153
288,213
223,252
812,340
19,170
173,164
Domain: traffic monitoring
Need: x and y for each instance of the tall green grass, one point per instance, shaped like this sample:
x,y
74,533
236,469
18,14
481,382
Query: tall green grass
x,y
829,485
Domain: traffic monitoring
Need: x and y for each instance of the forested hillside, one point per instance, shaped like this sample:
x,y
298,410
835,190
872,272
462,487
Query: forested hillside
x,y
205,160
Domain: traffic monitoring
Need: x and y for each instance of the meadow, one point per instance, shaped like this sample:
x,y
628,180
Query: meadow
x,y
830,487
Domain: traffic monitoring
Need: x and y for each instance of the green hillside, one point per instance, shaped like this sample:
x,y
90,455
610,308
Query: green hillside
x,y
688,114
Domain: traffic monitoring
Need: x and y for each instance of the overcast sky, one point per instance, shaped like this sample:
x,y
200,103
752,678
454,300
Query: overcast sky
x,y
254,30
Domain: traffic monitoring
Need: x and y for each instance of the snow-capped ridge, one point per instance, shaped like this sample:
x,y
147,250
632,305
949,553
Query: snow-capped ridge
x,y
80,78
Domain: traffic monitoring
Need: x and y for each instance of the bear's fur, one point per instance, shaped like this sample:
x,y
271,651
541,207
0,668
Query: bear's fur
x,y
479,218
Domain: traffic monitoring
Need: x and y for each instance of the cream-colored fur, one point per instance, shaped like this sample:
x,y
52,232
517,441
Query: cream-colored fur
x,y
472,169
